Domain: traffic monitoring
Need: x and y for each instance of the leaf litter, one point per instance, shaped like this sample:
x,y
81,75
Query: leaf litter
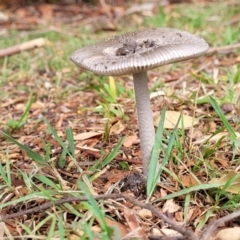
x,y
207,157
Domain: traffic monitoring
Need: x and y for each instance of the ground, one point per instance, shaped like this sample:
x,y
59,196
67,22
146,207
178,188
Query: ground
x,y
67,134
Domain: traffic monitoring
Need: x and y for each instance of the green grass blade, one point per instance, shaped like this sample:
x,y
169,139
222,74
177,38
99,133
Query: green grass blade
x,y
71,141
222,117
62,158
169,148
28,197
98,213
229,184
65,150
153,181
233,137
42,223
113,153
102,162
6,173
16,124
36,157
155,154
187,204
26,229
87,229
50,232
61,227
59,140
47,149
47,181
192,189
204,219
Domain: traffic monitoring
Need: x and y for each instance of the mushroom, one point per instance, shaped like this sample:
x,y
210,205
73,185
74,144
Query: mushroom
x,y
135,53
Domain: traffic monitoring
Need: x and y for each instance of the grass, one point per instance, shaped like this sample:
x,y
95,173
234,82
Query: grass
x,y
41,160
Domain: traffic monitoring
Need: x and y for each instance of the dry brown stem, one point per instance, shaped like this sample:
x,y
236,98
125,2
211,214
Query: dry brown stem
x,y
187,233
213,226
38,42
223,49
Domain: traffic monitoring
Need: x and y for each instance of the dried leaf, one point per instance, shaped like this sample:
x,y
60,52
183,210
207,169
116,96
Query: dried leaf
x,y
179,216
228,234
193,213
3,17
222,159
120,230
86,135
237,59
129,141
171,119
170,206
163,192
166,232
46,11
9,225
83,147
157,94
130,219
188,181
96,229
216,137
117,128
133,224
212,127
75,237
145,213
112,177
156,231
234,187
2,224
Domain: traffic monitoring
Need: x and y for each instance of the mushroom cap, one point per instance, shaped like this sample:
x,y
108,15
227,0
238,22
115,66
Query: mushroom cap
x,y
139,51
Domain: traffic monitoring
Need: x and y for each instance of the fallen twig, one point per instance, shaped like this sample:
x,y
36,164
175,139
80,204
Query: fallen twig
x,y
106,8
187,233
223,49
213,226
38,42
120,159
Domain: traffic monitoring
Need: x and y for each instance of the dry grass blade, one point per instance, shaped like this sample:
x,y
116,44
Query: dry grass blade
x,y
39,42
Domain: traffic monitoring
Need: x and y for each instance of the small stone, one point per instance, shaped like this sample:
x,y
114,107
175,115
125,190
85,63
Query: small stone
x,y
47,85
145,213
227,108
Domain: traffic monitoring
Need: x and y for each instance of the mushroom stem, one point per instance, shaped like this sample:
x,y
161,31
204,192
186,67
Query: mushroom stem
x,y
145,118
